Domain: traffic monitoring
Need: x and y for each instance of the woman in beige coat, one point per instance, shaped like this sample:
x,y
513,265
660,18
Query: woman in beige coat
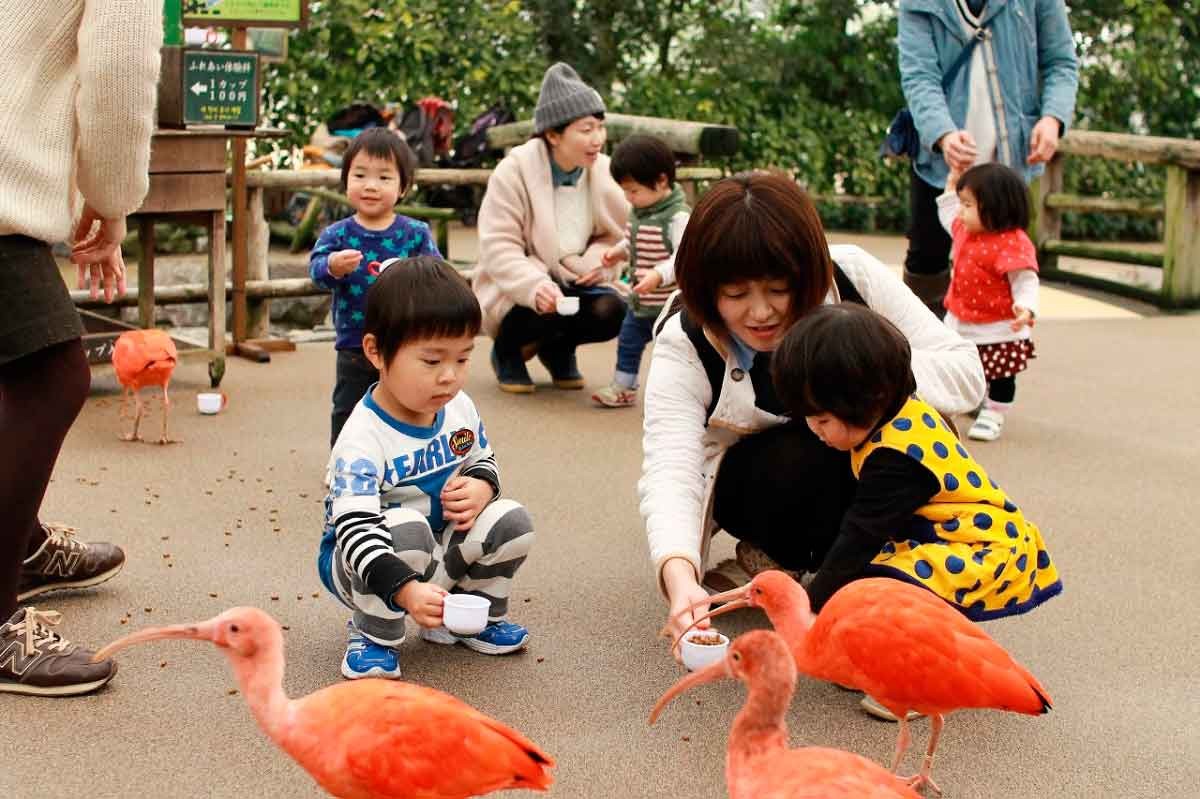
x,y
550,211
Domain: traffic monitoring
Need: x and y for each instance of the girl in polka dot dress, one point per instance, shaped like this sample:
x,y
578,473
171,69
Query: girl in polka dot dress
x,y
992,300
925,511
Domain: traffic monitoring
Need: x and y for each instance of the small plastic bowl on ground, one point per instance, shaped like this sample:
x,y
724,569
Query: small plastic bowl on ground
x,y
465,614
697,655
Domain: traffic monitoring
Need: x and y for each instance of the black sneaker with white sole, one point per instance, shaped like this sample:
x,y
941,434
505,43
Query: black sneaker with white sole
x,y
37,661
63,562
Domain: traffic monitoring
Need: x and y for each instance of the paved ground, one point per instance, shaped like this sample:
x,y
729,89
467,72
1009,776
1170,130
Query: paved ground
x,y
1101,451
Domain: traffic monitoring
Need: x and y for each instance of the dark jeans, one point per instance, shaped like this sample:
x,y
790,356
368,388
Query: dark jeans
x,y
355,375
785,492
40,396
599,319
928,242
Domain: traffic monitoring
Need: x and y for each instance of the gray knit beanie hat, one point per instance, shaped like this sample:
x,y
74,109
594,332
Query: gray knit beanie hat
x,y
564,98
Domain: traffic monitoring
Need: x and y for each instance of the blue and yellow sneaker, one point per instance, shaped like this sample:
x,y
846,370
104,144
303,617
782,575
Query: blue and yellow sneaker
x,y
498,638
365,658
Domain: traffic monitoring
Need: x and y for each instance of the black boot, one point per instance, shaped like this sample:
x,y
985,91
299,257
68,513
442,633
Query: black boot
x,y
930,289
559,360
511,372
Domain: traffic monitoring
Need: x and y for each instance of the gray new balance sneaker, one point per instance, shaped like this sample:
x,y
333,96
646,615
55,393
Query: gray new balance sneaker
x,y
36,660
64,562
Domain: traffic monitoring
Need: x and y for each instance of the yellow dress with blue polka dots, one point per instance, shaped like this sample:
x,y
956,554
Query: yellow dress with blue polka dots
x,y
970,544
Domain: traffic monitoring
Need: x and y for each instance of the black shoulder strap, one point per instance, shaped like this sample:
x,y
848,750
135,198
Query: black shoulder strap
x,y
714,364
846,288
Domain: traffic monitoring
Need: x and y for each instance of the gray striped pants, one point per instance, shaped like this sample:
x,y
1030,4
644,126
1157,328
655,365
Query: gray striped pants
x,y
480,561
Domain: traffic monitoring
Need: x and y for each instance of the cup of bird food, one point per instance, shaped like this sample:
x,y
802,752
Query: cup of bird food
x,y
465,614
210,402
567,306
701,648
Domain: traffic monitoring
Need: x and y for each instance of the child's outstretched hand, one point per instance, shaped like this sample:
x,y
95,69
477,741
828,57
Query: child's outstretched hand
x,y
647,281
464,498
1024,318
952,180
612,256
343,262
423,601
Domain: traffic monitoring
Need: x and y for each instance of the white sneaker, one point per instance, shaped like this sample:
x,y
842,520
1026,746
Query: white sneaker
x,y
987,426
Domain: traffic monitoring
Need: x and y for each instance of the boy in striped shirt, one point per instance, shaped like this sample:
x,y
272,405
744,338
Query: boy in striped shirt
x,y
645,168
413,510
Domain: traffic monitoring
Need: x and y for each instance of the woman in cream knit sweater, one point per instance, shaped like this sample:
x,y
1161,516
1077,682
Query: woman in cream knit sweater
x,y
550,211
79,80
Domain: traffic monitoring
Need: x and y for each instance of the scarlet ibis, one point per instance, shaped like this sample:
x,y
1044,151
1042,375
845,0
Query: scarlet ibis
x,y
896,642
366,739
758,762
144,358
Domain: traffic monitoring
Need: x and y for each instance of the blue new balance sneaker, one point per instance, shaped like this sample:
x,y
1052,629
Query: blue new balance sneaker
x,y
498,638
365,658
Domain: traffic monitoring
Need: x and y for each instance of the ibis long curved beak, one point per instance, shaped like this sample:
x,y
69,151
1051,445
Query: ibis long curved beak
x,y
717,671
736,599
202,631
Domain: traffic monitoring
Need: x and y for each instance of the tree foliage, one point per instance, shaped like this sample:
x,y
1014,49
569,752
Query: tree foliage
x,y
811,84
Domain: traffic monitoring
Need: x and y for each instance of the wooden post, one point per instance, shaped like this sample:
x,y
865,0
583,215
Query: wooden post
x,y
216,297
1045,222
258,318
146,272
1181,237
240,252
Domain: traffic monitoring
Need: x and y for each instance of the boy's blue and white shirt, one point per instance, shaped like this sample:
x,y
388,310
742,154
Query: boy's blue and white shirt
x,y
380,463
405,238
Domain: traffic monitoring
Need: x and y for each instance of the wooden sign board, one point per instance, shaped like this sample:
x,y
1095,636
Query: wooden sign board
x,y
220,87
259,13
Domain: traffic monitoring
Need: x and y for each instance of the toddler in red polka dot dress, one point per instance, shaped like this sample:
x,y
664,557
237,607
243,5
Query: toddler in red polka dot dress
x,y
992,300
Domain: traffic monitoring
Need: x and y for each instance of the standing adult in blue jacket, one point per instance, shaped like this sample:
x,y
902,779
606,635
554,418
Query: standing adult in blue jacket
x,y
1010,103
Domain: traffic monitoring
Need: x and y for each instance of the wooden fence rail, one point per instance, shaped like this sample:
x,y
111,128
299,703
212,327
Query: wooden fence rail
x,y
323,183
1180,210
691,138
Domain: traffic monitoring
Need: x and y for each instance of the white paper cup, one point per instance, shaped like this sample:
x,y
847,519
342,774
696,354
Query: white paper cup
x,y
210,402
697,656
567,306
465,614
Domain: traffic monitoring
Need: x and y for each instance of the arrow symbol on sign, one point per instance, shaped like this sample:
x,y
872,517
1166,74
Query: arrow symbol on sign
x,y
199,88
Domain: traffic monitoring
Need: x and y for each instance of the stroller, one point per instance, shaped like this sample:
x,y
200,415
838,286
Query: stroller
x,y
470,151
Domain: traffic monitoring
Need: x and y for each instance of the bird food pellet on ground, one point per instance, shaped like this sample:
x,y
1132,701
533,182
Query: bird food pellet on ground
x,y
539,660
232,692
162,665
274,597
148,610
687,738
212,594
